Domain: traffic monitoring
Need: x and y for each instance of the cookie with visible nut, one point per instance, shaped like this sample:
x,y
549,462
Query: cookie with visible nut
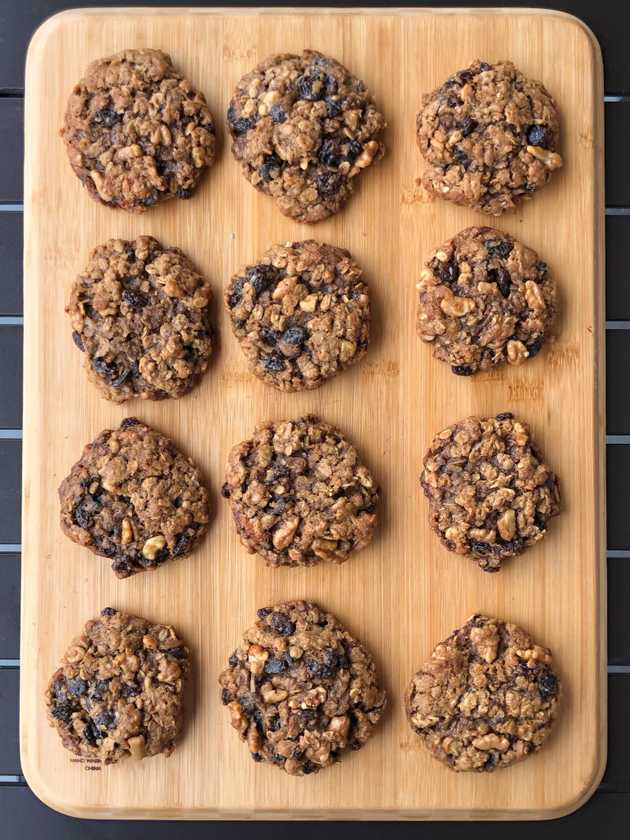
x,y
302,129
487,698
300,495
119,690
301,314
490,493
137,132
484,299
135,498
139,313
490,136
300,690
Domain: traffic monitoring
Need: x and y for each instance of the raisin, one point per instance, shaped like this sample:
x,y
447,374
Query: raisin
x,y
91,733
309,767
263,612
501,248
256,756
105,720
534,347
239,125
453,101
540,136
459,78
62,711
281,624
478,547
467,126
233,660
134,299
99,689
82,515
542,267
277,507
323,669
108,611
311,87
226,696
121,378
354,150
182,545
491,761
225,491
505,415
271,165
261,277
460,156
333,108
248,704
77,686
462,370
294,335
78,341
332,85
150,200
178,652
275,666
237,292
273,363
105,368
129,690
501,276
278,114
107,117
547,685
128,422
330,153
447,272
484,66
328,183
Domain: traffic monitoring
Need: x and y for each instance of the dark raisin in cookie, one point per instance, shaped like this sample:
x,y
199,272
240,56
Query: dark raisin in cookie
x,y
139,312
299,494
490,136
137,131
484,299
490,493
302,129
301,315
300,689
487,698
135,498
119,689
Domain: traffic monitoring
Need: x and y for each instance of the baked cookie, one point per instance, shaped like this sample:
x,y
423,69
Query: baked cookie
x,y
299,494
119,689
139,312
490,136
490,493
135,498
302,129
301,315
300,689
137,131
487,698
484,299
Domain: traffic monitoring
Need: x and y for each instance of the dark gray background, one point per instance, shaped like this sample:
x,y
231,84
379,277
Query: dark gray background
x,y
608,812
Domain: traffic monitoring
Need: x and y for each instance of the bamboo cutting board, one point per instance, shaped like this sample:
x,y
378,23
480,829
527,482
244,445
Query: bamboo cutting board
x,y
405,592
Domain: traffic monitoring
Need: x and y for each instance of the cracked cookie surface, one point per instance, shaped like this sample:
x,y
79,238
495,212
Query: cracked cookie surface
x,y
487,698
484,298
137,132
301,315
118,691
139,312
300,689
490,136
299,494
490,493
302,129
135,498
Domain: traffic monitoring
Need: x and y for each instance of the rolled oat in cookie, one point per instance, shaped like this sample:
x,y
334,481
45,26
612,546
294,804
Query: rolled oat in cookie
x,y
487,698
119,690
139,312
302,129
299,494
301,314
490,493
135,498
137,132
300,690
484,298
490,136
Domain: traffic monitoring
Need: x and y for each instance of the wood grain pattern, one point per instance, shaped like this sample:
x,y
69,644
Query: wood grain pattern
x,y
405,592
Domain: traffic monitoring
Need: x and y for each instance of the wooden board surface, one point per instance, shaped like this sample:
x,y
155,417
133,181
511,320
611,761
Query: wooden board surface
x,y
405,592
